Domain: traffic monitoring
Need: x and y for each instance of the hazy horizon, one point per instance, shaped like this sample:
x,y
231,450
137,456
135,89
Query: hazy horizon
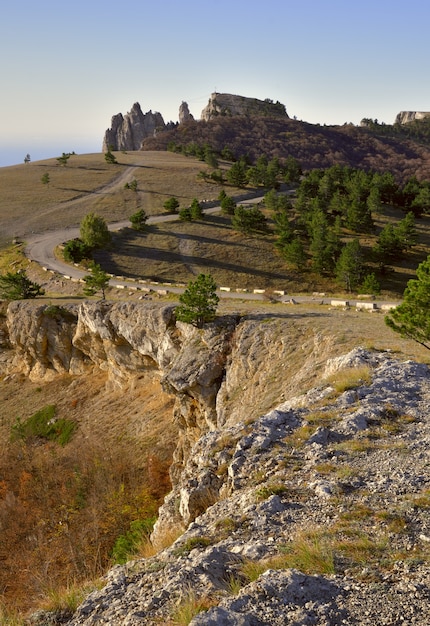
x,y
69,67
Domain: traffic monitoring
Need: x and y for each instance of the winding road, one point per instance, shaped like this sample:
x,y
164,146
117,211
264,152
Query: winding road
x,y
40,248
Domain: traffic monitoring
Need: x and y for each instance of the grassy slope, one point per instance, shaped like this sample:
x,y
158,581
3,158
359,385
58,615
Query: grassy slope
x,y
113,428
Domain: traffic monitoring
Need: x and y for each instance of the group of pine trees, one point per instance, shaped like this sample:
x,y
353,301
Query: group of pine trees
x,y
340,203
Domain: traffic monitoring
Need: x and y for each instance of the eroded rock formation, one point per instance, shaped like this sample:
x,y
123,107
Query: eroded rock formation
x,y
226,104
127,132
341,474
404,117
184,113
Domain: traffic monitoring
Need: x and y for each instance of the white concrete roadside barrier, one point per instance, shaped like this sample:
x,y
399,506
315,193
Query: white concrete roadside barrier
x,y
339,303
225,289
365,306
259,291
388,307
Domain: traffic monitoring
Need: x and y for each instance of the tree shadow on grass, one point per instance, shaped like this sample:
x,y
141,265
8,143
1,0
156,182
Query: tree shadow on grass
x,y
169,257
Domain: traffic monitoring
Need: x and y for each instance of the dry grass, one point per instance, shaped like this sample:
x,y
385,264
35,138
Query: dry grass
x,y
190,605
351,378
176,252
79,188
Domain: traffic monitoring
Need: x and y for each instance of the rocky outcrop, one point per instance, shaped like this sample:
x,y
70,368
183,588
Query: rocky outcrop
x,y
226,104
312,512
184,113
303,520
128,340
127,132
404,117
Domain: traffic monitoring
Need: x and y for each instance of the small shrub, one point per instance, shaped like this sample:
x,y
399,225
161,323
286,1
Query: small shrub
x,y
127,545
44,425
76,251
190,544
270,489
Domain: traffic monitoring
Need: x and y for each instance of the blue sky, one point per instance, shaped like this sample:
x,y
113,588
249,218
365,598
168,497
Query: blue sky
x,y
67,67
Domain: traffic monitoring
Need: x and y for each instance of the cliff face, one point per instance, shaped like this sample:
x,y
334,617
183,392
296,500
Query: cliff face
x,y
127,132
226,104
339,477
404,117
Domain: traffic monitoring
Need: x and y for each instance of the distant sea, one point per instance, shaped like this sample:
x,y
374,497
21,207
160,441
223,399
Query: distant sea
x,y
14,155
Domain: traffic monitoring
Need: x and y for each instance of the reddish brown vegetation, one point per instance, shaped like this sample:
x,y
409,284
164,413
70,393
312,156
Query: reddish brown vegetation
x,y
314,146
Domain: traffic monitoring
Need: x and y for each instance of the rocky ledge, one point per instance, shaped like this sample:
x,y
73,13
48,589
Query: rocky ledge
x,y
314,513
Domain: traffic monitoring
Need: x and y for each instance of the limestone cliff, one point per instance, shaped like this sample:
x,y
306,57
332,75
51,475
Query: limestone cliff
x,y
226,104
127,132
337,475
404,117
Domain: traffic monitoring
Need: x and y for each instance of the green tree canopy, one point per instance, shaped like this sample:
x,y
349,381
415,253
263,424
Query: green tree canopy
x,y
110,157
171,205
75,251
98,280
411,318
138,220
349,266
196,210
17,286
62,160
94,231
236,175
227,204
249,220
198,302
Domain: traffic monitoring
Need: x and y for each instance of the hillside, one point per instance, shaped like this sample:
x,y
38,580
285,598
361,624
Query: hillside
x,y
379,149
172,251
271,444
245,430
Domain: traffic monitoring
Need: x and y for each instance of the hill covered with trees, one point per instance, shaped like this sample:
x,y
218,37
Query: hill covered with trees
x,y
403,150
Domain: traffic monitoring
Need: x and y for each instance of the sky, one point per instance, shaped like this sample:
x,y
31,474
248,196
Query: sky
x,y
68,67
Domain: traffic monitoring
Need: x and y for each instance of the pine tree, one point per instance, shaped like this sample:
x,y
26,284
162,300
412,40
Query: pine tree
x,y
411,319
349,267
17,286
198,302
94,231
138,220
98,280
196,210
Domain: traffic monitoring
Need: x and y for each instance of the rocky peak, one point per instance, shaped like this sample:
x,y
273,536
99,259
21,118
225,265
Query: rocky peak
x,y
231,105
184,113
404,117
127,132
